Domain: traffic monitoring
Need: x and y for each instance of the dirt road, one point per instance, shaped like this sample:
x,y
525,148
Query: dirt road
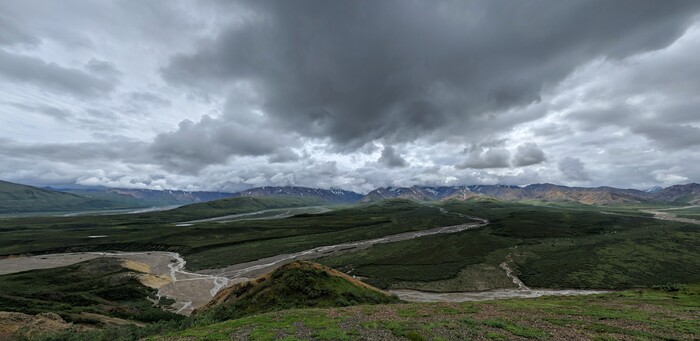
x,y
664,214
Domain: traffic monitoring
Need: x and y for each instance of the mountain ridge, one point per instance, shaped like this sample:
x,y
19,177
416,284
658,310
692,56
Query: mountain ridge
x,y
18,198
329,195
602,195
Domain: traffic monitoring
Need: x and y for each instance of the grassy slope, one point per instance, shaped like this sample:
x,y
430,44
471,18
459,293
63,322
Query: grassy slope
x,y
100,286
552,247
238,205
214,244
295,285
16,198
647,314
121,200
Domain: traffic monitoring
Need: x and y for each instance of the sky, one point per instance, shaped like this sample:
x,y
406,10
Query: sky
x,y
228,95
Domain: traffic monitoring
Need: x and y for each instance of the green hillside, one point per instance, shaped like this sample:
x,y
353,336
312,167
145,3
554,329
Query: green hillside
x,y
92,292
548,247
239,205
16,198
662,314
294,285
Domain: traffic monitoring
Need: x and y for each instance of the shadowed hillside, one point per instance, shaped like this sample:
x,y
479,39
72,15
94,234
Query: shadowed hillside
x,y
16,198
97,292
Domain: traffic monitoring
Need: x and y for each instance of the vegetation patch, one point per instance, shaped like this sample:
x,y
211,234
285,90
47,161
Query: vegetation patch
x,y
294,285
82,293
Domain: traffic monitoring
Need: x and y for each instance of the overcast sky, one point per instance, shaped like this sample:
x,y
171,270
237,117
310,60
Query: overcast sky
x,y
227,95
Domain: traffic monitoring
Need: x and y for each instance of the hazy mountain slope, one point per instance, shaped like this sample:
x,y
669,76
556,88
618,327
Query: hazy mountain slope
x,y
295,285
147,197
689,193
332,196
238,205
16,198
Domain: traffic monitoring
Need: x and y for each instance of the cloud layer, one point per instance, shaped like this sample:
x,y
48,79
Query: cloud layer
x,y
228,95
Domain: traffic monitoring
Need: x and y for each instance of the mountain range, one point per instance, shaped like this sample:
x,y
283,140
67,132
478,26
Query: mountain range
x,y
689,193
334,196
148,197
16,198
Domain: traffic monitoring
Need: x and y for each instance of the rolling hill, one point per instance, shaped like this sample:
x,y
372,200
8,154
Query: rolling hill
x,y
16,198
295,285
238,205
148,197
101,291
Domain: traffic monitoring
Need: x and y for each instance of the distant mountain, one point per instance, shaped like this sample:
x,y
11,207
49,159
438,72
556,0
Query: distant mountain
x,y
333,196
655,189
689,193
416,193
16,198
545,192
149,197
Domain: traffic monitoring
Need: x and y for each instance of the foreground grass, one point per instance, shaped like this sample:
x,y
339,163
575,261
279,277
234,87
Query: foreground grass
x,y
646,314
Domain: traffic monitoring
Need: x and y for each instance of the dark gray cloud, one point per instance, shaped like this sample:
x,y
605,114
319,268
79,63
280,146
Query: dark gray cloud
x,y
50,111
670,136
573,169
50,76
119,149
486,156
149,98
194,146
390,158
102,68
527,154
399,70
12,34
282,155
496,155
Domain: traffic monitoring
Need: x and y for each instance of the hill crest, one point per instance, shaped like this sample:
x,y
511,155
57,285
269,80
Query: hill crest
x,y
299,284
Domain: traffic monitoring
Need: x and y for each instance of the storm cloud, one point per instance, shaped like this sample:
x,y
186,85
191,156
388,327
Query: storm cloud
x,y
34,71
226,95
391,158
401,70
